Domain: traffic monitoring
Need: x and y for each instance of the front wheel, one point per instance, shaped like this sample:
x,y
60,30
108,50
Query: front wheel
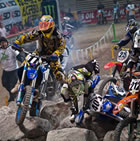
x,y
127,130
104,87
24,106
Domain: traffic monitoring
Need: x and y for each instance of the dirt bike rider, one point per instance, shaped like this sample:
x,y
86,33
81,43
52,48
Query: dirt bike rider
x,y
134,56
50,42
81,80
131,28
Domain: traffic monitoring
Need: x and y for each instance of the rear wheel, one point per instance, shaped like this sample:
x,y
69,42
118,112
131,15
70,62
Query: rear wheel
x,y
24,106
127,129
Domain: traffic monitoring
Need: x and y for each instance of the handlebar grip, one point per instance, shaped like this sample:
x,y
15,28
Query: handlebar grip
x,y
16,47
54,57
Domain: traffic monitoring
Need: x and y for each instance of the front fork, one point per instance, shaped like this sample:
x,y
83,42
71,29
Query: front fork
x,y
21,87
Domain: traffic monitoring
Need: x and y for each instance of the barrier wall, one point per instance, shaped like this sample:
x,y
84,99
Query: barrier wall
x,y
90,17
87,53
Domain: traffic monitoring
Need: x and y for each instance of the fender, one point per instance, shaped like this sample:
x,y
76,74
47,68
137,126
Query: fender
x,y
120,105
111,64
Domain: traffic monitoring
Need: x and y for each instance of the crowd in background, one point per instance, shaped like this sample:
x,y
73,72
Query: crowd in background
x,y
129,9
75,19
18,27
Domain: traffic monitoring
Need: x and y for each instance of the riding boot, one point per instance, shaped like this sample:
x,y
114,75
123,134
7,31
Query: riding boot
x,y
85,102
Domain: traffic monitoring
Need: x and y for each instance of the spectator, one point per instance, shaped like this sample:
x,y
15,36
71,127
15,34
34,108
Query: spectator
x,y
130,11
20,26
69,14
3,32
36,21
100,13
116,11
9,66
100,6
14,29
29,23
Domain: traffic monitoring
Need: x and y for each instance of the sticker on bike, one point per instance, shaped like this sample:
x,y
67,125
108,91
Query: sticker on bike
x,y
97,102
134,86
122,56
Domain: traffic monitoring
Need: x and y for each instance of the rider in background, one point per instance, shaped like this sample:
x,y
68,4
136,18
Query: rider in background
x,y
50,42
9,64
86,85
134,56
131,28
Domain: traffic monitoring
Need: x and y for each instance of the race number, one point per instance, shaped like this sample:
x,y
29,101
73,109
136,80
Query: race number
x,y
96,103
134,85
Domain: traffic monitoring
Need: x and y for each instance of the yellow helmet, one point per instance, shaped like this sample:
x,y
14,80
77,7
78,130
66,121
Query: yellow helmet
x,y
46,25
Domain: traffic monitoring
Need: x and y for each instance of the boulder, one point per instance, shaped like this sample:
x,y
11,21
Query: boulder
x,y
100,125
71,134
54,112
109,136
32,128
65,123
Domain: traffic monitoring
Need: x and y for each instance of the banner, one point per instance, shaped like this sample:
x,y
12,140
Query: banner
x,y
89,17
9,13
30,9
50,8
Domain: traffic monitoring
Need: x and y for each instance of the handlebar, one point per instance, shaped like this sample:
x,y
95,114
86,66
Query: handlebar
x,y
46,57
125,49
120,48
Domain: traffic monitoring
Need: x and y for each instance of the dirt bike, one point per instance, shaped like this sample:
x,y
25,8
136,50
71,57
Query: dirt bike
x,y
103,107
118,73
31,76
49,85
130,127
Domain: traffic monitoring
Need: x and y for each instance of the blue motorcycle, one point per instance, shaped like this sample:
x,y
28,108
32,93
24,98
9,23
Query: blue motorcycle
x,y
31,75
104,105
100,105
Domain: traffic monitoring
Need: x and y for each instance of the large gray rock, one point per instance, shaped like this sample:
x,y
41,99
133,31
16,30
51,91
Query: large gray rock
x,y
109,136
54,112
71,134
32,128
124,135
65,123
100,125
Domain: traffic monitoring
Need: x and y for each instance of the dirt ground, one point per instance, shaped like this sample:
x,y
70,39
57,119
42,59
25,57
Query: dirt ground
x,y
85,37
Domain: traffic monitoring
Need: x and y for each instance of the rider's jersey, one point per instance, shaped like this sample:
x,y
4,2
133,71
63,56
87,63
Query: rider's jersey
x,y
46,46
128,37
